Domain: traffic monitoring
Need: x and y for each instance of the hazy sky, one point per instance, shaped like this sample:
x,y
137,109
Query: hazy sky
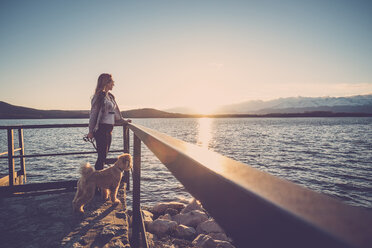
x,y
173,53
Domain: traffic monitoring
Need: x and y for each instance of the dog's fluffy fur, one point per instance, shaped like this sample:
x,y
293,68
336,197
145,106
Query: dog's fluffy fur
x,y
106,180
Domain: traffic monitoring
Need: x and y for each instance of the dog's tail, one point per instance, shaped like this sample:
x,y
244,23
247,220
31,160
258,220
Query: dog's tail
x,y
86,170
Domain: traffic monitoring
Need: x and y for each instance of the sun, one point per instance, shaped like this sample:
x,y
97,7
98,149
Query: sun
x,y
204,108
203,98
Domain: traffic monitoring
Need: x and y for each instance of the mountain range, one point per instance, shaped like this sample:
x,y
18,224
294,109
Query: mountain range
x,y
360,105
352,104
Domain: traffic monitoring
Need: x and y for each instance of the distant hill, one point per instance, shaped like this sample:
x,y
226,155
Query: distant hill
x,y
151,113
352,104
8,111
367,109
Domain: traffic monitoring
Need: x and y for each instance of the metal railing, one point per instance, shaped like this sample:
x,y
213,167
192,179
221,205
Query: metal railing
x,y
255,208
14,181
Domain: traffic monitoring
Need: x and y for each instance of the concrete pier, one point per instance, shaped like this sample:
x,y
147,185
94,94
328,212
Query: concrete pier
x,y
47,220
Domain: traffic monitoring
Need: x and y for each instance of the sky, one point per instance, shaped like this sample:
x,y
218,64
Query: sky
x,y
168,53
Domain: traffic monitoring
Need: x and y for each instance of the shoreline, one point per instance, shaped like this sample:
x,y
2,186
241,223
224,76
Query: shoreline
x,y
317,114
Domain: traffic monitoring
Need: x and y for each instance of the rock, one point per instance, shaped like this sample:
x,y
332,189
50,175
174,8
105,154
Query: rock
x,y
209,226
181,243
162,206
219,236
146,213
193,218
165,217
185,232
223,244
162,227
193,205
171,211
204,241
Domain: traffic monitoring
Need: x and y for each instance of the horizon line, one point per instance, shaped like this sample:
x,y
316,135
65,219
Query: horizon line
x,y
190,108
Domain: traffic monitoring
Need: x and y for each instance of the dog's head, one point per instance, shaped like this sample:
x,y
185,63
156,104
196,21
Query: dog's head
x,y
124,162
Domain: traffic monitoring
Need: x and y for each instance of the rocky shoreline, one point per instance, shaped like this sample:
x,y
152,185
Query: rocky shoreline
x,y
180,225
46,220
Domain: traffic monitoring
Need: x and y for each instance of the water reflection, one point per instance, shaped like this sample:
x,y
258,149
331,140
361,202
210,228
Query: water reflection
x,y
204,131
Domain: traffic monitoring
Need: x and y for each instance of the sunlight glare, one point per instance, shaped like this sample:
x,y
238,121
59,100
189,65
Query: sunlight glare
x,y
208,158
204,131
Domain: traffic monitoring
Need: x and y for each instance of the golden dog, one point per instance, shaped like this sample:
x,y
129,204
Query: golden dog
x,y
107,180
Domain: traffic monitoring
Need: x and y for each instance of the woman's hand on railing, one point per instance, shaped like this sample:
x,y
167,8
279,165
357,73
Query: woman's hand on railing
x,y
123,121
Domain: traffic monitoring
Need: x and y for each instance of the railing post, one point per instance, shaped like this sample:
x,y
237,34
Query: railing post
x,y
136,191
10,157
126,150
22,152
126,138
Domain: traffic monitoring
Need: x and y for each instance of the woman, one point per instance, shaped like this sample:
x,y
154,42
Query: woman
x,y
103,115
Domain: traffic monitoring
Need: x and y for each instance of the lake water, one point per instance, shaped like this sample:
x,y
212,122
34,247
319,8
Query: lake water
x,y
328,155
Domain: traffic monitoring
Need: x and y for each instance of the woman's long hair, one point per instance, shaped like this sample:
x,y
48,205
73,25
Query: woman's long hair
x,y
103,80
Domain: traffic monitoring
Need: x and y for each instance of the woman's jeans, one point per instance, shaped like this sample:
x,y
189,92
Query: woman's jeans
x,y
103,142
